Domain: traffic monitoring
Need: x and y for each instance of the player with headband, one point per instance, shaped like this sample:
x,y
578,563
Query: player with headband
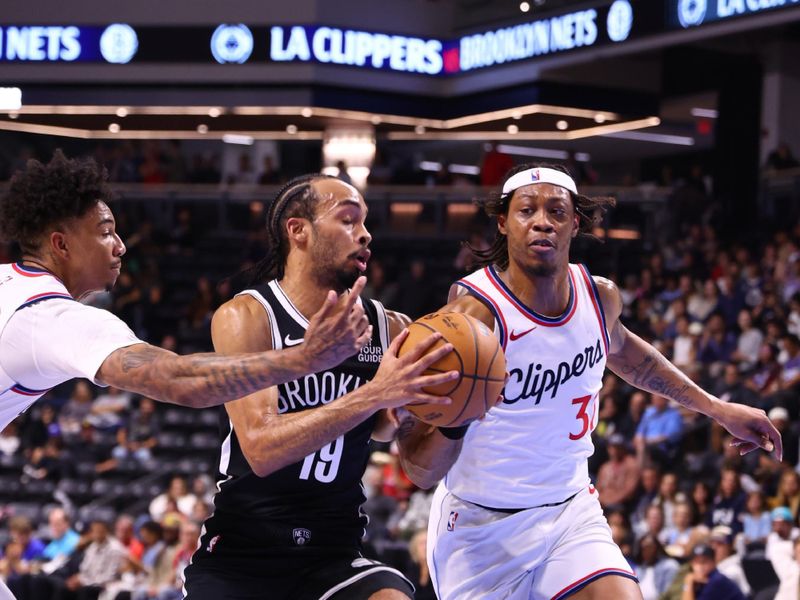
x,y
516,516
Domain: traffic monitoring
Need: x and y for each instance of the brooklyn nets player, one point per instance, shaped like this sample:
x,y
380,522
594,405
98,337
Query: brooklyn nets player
x,y
287,522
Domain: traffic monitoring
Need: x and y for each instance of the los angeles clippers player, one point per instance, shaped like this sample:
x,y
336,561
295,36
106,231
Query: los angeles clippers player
x,y
287,522
515,517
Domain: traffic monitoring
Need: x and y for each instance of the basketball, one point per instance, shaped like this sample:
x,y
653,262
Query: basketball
x,y
477,356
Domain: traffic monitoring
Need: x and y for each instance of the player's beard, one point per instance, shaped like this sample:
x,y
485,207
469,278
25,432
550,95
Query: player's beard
x,y
329,272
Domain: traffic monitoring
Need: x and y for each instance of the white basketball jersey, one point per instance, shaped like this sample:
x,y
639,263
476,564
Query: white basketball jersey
x,y
532,449
21,286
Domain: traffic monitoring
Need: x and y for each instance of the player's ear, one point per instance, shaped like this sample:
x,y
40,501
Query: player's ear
x,y
297,229
58,244
576,225
502,218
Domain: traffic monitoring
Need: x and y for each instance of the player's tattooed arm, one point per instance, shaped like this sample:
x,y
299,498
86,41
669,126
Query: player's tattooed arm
x,y
198,380
338,330
641,365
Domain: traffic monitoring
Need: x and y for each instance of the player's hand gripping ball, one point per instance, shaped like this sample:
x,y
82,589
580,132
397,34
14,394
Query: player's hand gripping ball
x,y
477,356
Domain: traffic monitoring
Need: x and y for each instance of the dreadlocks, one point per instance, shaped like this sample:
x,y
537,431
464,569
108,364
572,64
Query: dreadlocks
x,y
590,212
295,199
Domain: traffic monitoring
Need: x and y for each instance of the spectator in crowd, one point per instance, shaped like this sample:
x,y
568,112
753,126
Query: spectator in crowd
x,y
177,493
780,542
648,493
659,432
788,492
729,501
733,389
654,569
787,568
677,536
717,344
269,176
705,582
701,503
12,565
73,414
100,566
764,376
341,172
139,435
21,531
124,532
702,304
749,341
684,345
9,439
729,563
63,539
618,479
109,409
756,521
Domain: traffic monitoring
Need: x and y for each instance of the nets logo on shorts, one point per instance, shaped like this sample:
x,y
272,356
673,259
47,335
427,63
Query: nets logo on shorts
x,y
451,522
301,536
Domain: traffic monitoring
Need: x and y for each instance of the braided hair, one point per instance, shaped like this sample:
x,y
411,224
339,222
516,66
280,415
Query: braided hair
x,y
295,199
590,212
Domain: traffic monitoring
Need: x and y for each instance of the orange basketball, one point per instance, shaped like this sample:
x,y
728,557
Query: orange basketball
x,y
476,354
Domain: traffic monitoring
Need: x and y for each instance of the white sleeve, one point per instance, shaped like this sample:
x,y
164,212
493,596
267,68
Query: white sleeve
x,y
56,340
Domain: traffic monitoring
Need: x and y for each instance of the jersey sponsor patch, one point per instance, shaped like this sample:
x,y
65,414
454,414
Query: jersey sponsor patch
x,y
301,536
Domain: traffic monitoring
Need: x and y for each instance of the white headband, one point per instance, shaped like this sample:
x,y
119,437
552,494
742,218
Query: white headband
x,y
539,175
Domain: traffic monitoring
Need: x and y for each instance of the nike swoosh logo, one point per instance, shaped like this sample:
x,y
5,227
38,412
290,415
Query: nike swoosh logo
x,y
288,341
515,336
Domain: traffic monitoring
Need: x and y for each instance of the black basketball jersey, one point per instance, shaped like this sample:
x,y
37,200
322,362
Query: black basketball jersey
x,y
317,501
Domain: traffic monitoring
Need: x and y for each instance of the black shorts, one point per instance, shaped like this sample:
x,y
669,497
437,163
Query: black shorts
x,y
287,574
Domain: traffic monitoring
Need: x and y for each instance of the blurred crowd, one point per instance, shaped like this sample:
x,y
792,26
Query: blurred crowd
x,y
684,506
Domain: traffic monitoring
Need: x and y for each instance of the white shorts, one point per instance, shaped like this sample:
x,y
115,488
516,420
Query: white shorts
x,y
543,553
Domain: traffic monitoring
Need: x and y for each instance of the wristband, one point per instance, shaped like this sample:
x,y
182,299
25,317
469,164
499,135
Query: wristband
x,y
454,433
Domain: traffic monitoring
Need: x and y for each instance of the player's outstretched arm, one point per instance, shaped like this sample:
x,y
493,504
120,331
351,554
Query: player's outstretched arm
x,y
641,365
426,454
271,440
338,330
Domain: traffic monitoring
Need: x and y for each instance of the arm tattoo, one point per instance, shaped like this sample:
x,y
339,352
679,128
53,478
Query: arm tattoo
x,y
136,358
655,374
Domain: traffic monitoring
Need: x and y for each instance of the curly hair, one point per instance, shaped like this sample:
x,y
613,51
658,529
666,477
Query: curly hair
x,y
295,199
590,213
43,196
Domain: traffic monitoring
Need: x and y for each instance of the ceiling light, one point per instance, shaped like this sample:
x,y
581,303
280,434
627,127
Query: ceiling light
x,y
306,112
214,112
516,115
708,113
291,129
10,98
419,129
561,125
524,6
114,128
13,115
660,138
376,120
202,128
512,129
122,112
599,118
236,138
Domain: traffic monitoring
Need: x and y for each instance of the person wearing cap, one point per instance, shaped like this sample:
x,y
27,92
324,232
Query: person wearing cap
x,y
780,542
729,562
781,419
523,469
705,582
618,478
